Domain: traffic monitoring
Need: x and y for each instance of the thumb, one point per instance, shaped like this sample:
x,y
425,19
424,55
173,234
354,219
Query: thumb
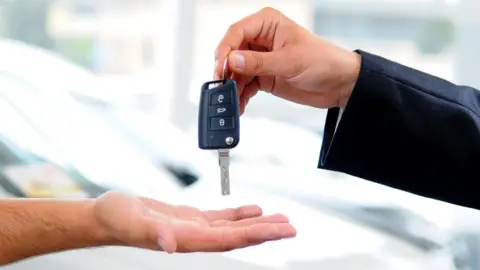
x,y
253,63
162,234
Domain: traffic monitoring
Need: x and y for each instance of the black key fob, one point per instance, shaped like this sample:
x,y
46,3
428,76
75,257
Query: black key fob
x,y
219,115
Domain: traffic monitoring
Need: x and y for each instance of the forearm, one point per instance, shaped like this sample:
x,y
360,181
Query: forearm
x,y
409,130
31,227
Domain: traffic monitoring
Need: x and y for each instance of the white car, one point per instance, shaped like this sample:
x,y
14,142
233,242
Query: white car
x,y
325,239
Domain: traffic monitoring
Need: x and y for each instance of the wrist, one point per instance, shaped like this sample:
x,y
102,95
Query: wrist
x,y
349,70
48,226
95,229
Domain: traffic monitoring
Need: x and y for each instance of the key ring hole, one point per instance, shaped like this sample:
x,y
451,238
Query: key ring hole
x,y
217,83
214,84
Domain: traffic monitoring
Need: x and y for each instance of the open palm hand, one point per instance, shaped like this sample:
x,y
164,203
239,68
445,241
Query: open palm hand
x,y
151,224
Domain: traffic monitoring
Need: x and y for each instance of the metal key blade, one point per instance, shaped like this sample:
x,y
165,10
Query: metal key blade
x,y
224,162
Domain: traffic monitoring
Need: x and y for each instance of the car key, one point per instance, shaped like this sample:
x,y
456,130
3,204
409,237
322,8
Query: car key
x,y
219,122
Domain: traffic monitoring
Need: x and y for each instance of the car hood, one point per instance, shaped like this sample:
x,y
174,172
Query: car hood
x,y
264,140
332,185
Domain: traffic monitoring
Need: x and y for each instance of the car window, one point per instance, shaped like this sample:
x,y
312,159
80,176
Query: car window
x,y
14,127
62,120
24,155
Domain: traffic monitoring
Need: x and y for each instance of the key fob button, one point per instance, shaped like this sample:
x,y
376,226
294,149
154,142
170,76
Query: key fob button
x,y
221,98
221,123
219,110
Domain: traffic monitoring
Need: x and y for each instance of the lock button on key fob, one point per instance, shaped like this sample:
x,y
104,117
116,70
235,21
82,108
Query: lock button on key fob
x,y
219,124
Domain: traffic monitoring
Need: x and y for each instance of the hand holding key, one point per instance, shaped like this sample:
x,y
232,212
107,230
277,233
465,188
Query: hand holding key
x,y
268,51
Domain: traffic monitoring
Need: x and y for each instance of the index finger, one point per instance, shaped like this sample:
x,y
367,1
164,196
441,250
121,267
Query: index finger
x,y
245,30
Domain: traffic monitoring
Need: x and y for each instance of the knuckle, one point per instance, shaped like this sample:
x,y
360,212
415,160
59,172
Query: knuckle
x,y
219,54
222,241
268,10
236,214
233,28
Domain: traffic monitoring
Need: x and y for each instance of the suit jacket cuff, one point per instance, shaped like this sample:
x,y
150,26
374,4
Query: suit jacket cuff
x,y
334,115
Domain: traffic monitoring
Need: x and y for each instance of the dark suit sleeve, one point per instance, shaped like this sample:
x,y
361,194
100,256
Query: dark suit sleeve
x,y
408,130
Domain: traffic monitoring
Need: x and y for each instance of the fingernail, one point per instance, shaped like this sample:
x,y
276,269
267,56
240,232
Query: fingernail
x,y
239,60
292,232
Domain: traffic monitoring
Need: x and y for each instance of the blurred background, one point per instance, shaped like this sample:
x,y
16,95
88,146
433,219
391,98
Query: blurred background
x,y
100,95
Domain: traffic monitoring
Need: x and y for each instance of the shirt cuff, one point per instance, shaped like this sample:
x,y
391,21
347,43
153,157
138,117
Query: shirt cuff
x,y
338,120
